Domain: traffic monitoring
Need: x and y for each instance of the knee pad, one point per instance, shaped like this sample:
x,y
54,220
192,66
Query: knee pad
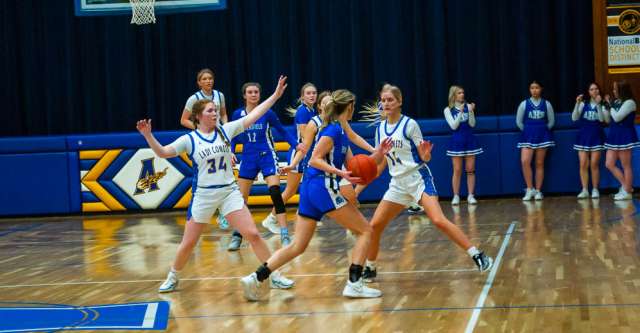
x,y
276,197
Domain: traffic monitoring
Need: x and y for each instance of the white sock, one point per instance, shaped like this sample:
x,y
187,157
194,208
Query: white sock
x,y
174,271
472,251
371,264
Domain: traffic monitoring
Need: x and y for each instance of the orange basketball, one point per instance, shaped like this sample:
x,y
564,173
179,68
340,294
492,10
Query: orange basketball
x,y
364,167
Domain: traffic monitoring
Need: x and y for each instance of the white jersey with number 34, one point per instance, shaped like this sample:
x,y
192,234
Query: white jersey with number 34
x,y
405,138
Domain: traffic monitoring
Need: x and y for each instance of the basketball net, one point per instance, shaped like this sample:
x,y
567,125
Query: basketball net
x,y
142,11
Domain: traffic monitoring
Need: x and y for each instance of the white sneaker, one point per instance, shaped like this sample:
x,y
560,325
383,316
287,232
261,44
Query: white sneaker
x,y
254,290
619,191
622,195
359,290
170,284
271,224
584,194
595,194
455,200
539,195
279,281
529,194
471,200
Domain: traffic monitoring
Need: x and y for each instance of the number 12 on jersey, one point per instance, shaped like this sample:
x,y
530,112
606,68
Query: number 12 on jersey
x,y
212,165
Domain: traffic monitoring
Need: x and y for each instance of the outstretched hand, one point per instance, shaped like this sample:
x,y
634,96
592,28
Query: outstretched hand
x,y
286,169
144,126
282,85
425,150
385,146
347,175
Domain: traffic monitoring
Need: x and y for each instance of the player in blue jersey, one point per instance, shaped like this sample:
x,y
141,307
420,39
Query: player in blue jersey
x,y
209,148
320,195
302,115
411,181
259,156
622,138
310,136
591,119
535,118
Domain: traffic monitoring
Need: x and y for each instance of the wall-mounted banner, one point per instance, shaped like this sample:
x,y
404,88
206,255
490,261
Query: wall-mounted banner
x,y
623,33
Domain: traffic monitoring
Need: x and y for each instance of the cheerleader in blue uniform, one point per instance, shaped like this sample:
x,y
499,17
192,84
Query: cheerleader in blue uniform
x,y
622,138
591,119
534,118
463,145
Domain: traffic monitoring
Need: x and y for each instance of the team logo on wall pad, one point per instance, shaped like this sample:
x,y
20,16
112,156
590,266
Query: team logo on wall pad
x,y
131,179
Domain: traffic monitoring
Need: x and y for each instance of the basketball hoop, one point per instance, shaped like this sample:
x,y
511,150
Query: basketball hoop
x,y
142,11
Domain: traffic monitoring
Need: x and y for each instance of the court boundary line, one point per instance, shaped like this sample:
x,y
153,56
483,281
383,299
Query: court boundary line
x,y
475,315
392,310
223,278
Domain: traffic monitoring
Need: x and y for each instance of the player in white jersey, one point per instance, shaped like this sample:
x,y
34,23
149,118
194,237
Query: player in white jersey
x,y
411,181
205,80
209,148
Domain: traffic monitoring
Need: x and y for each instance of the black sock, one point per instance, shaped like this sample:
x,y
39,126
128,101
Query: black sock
x,y
263,272
355,272
236,233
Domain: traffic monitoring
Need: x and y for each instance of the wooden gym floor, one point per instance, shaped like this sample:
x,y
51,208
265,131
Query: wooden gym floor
x,y
561,266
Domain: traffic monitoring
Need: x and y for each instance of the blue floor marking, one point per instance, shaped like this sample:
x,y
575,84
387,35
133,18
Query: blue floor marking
x,y
38,317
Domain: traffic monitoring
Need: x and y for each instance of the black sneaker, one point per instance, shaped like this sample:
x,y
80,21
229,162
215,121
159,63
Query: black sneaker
x,y
483,262
415,209
369,274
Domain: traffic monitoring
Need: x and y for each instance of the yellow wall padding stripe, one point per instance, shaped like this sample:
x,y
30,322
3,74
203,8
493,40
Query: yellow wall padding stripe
x,y
265,200
90,180
186,159
254,200
94,207
280,146
184,201
91,154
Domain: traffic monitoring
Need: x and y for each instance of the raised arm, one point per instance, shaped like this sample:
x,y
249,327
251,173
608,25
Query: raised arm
x,y
263,107
355,138
144,127
520,116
